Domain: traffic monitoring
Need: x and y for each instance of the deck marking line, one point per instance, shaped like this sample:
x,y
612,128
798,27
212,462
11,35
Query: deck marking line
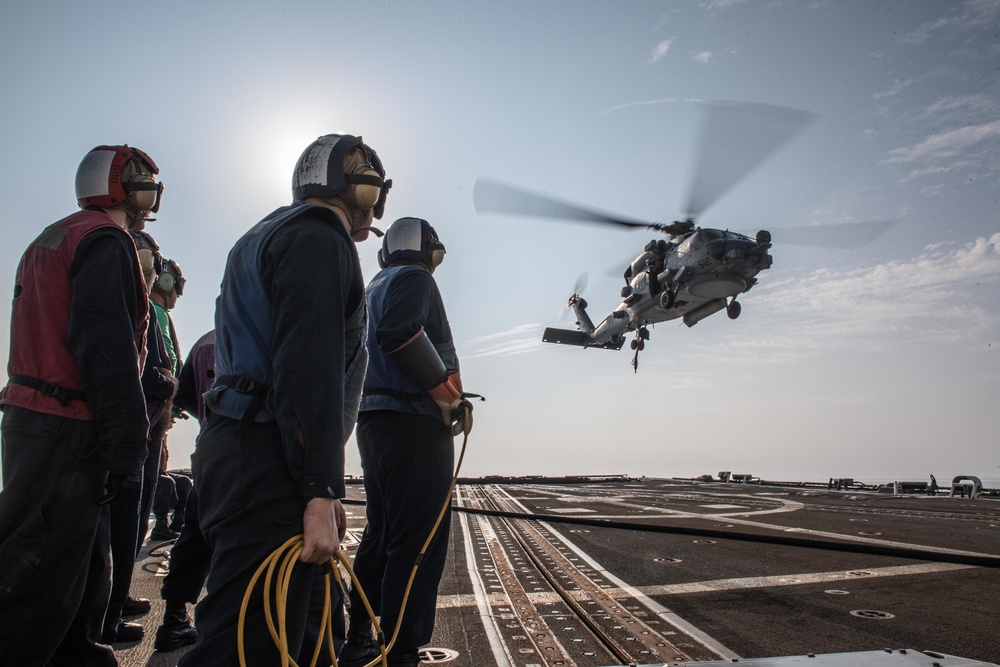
x,y
654,606
716,585
482,601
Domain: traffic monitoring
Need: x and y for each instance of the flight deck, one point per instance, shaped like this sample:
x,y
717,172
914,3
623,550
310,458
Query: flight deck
x,y
613,570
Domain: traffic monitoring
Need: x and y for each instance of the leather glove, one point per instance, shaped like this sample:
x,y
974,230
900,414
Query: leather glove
x,y
448,396
119,483
463,417
456,409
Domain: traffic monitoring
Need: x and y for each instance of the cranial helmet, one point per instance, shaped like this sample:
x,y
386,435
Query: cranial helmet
x,y
320,173
118,176
411,240
170,278
150,258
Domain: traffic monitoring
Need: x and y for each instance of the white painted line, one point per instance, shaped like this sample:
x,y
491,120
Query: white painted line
x,y
482,601
716,585
743,583
654,606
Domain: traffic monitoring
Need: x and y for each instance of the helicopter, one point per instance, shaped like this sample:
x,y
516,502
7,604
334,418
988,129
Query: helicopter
x,y
696,271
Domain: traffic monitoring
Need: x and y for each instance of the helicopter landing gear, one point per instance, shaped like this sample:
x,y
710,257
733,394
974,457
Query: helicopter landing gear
x,y
638,344
667,298
733,309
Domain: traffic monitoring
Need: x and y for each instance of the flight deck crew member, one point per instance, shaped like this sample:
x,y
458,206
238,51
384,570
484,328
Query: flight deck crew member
x,y
74,423
191,555
158,386
167,289
290,360
412,397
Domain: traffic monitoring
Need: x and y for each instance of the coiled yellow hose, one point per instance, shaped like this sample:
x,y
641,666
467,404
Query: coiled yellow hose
x,y
282,561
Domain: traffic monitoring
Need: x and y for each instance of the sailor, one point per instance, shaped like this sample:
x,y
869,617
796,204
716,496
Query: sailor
x,y
290,361
158,387
410,408
191,556
167,289
74,423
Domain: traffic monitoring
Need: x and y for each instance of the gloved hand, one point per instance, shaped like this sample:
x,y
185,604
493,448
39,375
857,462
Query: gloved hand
x,y
456,409
448,396
119,483
463,417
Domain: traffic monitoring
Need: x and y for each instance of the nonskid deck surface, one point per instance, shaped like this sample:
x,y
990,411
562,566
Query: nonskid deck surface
x,y
671,572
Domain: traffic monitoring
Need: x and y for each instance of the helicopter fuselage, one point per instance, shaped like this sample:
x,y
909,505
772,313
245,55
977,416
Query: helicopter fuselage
x,y
691,276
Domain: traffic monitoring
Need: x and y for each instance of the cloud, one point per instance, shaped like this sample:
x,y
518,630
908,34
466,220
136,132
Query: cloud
x,y
936,297
720,5
961,106
522,339
972,15
949,144
664,100
660,50
703,58
897,86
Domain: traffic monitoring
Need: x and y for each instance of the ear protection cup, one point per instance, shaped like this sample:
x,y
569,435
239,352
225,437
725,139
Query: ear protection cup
x,y
165,282
365,195
146,260
99,178
142,192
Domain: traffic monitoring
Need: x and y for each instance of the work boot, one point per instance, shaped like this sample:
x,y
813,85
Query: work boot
x,y
128,632
176,630
360,647
161,531
177,522
136,607
407,658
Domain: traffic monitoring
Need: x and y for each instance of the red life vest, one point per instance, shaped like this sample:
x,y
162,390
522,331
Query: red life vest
x,y
42,370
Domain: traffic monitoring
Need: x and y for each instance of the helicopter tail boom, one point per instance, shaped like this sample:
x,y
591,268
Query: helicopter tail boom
x,y
579,339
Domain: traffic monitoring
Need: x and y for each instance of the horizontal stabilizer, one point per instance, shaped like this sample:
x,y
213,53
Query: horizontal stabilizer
x,y
578,338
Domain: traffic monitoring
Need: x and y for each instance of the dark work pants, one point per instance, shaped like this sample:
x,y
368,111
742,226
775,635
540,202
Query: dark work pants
x,y
83,644
172,491
165,496
150,474
189,559
51,576
124,533
189,562
129,525
408,463
248,506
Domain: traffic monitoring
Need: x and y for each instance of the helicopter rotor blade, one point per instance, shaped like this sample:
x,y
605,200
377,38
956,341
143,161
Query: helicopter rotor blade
x,y
736,138
581,284
490,196
833,235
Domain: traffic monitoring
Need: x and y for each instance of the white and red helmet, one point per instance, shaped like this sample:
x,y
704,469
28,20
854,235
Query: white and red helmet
x,y
99,179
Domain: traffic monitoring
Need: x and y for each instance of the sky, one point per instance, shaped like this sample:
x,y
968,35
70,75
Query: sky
x,y
878,363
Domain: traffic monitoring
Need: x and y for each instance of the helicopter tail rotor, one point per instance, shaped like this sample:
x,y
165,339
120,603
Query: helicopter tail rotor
x,y
579,305
580,285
